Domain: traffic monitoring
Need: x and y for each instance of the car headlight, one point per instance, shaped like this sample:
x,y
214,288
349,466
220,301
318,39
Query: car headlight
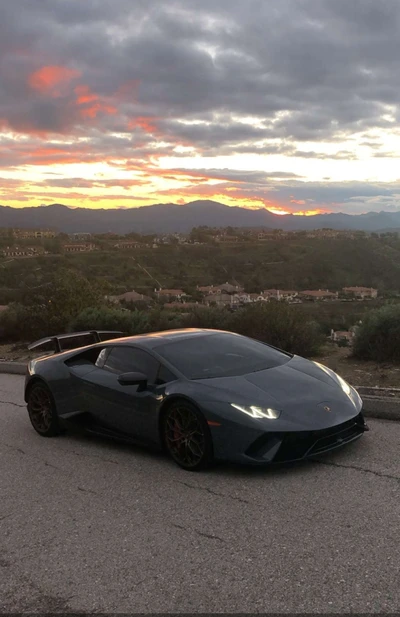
x,y
347,389
258,412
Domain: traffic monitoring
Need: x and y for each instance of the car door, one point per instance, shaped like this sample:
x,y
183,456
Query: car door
x,y
125,408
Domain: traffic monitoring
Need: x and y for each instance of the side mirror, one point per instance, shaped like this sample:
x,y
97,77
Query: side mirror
x,y
133,379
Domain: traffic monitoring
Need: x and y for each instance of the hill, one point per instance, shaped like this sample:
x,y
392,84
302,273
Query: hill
x,y
169,218
292,263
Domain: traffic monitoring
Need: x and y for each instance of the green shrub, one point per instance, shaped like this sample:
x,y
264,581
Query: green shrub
x,y
22,323
209,317
279,324
106,318
378,337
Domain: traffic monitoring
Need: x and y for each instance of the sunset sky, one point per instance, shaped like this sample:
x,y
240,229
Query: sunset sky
x,y
291,105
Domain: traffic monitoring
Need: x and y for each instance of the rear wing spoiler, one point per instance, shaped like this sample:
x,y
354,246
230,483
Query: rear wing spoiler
x,y
73,340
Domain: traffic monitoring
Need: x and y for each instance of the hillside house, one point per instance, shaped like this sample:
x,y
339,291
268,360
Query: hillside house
x,y
280,294
312,295
81,235
79,248
361,292
129,296
253,297
124,246
220,300
26,251
226,288
168,294
24,234
341,336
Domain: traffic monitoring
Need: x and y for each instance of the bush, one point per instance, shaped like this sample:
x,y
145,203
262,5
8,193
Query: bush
x,y
209,317
378,337
105,318
22,323
279,324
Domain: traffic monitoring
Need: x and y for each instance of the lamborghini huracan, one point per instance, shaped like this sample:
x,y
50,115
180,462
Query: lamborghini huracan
x,y
201,395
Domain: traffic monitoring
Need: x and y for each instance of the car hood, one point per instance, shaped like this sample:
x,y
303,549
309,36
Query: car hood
x,y
300,389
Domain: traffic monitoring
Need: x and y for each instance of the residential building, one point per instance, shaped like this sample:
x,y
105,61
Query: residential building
x,y
33,233
170,293
258,298
124,246
231,289
361,292
82,235
129,296
342,336
318,295
218,289
220,300
26,251
79,248
209,289
280,294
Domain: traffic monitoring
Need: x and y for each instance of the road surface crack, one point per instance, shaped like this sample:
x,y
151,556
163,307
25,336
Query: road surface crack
x,y
6,516
380,474
209,490
6,445
86,490
105,460
199,533
15,404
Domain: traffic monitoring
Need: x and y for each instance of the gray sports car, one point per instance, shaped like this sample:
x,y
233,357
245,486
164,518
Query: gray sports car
x,y
202,395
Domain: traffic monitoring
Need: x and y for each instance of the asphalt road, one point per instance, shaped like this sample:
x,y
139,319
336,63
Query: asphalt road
x,y
89,525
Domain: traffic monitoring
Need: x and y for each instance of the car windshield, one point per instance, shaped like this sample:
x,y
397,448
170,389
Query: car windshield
x,y
220,355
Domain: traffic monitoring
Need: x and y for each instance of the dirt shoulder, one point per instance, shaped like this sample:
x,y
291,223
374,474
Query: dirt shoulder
x,y
359,372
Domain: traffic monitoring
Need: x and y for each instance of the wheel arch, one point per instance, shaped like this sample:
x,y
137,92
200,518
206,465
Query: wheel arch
x,y
34,380
167,404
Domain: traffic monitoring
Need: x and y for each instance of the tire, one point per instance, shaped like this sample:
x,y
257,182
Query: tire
x,y
42,410
186,436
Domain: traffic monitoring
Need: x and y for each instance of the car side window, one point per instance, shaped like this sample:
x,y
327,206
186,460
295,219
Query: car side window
x,y
164,375
101,358
132,359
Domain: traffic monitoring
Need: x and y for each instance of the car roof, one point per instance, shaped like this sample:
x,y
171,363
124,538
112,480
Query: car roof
x,y
154,339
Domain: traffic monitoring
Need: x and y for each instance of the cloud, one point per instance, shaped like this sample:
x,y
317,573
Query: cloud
x,y
126,84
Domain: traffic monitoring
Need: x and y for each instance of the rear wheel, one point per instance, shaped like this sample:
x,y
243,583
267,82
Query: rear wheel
x,y
42,411
186,436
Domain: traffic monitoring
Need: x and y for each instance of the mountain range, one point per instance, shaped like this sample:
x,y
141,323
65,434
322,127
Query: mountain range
x,y
170,218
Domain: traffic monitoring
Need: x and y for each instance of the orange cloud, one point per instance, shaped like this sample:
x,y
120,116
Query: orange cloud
x,y
145,123
51,79
90,103
311,212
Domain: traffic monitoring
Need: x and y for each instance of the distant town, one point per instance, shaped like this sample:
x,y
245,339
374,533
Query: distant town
x,y
34,242
151,286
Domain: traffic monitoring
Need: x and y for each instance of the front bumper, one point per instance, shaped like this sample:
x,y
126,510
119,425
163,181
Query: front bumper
x,y
284,447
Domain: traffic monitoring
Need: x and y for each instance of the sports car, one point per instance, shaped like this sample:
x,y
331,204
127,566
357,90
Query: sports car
x,y
201,395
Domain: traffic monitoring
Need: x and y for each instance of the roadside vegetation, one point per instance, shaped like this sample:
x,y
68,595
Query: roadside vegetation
x,y
378,337
57,293
69,302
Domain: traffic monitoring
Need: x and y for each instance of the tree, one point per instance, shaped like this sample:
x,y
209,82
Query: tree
x,y
62,297
378,337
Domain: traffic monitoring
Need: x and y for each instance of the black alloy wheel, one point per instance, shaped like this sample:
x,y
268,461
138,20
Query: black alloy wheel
x,y
186,436
42,411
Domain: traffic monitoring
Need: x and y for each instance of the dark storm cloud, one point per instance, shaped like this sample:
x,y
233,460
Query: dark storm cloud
x,y
126,82
330,65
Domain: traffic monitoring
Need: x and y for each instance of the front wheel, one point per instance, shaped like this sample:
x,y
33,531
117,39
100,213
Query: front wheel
x,y
42,411
186,437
